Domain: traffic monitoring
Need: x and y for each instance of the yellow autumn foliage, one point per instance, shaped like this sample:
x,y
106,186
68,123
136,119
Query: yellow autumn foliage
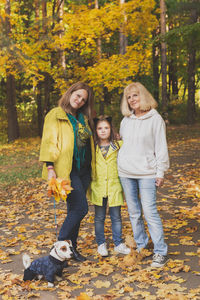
x,y
29,50
59,188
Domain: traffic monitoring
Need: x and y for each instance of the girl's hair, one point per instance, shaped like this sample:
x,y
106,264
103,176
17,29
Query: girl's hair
x,y
107,119
147,101
87,108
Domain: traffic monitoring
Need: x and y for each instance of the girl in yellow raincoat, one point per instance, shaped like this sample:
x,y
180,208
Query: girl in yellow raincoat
x,y
106,188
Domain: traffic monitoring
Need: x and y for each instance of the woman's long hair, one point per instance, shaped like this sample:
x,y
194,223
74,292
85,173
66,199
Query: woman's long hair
x,y
87,108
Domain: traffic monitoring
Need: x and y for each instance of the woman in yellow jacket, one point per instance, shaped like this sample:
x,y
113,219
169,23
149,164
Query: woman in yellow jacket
x,y
106,188
67,150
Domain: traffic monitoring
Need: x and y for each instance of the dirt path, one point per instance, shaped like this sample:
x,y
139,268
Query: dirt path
x,y
27,225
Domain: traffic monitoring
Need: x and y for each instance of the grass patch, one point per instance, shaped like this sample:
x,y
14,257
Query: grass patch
x,y
19,161
12,177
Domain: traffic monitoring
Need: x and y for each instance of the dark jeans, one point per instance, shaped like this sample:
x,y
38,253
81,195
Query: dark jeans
x,y
77,206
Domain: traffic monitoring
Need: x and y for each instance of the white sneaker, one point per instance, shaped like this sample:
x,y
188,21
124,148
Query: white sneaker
x,y
122,248
102,250
159,260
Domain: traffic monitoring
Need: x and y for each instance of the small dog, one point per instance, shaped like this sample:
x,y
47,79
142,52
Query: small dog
x,y
50,266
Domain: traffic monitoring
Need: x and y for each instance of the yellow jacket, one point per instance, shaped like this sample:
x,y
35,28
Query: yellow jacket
x,y
57,144
107,183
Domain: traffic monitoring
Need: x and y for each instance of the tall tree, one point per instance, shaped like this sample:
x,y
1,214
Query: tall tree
x,y
38,87
47,79
13,127
62,52
122,37
163,55
155,65
191,72
99,56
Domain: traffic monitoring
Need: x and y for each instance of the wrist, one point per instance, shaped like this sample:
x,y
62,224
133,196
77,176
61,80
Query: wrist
x,y
50,168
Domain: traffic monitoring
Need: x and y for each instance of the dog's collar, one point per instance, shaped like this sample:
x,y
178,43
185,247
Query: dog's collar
x,y
56,261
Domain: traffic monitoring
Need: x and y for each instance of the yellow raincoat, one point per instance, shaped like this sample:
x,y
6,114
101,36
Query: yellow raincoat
x,y
57,144
107,183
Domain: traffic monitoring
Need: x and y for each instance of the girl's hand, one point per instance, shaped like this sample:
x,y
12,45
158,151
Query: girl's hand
x,y
159,181
117,136
51,173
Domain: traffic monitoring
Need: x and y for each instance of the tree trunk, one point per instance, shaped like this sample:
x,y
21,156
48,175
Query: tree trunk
x,y
191,87
173,80
101,107
39,87
122,37
37,10
47,79
13,127
99,56
62,52
163,55
99,51
47,90
191,74
172,63
39,109
156,75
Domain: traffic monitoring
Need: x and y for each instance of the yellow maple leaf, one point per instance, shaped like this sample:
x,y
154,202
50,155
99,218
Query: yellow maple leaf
x,y
100,284
59,188
83,296
130,259
130,242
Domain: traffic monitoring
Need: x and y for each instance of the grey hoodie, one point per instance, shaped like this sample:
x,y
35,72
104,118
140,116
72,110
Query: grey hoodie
x,y
144,152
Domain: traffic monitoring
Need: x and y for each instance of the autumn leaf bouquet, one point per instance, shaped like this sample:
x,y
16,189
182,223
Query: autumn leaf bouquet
x,y
59,188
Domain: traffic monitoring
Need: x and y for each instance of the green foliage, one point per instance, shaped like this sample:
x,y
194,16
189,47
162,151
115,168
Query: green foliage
x,y
178,111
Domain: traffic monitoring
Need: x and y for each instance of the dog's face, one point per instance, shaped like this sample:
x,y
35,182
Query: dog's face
x,y
63,249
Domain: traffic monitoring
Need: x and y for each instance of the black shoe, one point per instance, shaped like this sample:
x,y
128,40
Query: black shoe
x,y
76,255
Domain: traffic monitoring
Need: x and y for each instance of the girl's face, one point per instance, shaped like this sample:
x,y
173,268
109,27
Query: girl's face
x,y
103,131
133,99
78,99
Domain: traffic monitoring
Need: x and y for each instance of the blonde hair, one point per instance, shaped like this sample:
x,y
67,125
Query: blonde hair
x,y
147,101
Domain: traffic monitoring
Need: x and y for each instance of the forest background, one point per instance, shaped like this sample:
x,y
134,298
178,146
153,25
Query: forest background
x,y
45,46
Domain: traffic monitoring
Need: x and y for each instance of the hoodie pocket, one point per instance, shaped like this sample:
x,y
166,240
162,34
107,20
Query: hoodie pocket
x,y
151,160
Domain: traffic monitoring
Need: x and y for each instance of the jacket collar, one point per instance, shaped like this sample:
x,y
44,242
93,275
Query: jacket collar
x,y
113,147
61,114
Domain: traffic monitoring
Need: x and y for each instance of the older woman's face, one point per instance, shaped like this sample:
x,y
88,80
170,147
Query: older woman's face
x,y
133,99
78,99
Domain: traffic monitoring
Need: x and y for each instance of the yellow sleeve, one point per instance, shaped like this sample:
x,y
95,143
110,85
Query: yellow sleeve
x,y
49,145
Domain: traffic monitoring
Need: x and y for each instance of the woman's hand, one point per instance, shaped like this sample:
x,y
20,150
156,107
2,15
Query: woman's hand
x,y
159,181
51,173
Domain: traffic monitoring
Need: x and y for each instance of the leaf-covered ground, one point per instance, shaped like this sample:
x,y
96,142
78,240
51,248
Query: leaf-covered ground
x,y
27,225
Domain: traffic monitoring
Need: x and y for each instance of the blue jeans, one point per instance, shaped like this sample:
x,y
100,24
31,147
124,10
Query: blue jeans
x,y
141,194
77,207
115,215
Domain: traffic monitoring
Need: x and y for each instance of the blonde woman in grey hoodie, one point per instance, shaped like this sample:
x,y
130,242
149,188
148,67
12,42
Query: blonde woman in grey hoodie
x,y
142,161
